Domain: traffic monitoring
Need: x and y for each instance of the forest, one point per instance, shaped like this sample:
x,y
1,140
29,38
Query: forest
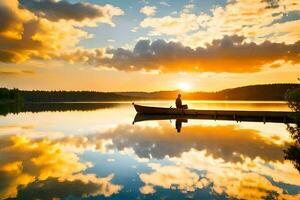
x,y
10,96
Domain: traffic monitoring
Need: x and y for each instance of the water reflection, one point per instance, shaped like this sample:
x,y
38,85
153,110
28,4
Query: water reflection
x,y
228,142
292,153
285,118
100,154
53,107
43,170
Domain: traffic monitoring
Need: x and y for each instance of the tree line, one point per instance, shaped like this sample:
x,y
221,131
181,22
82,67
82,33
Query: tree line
x,y
71,96
10,95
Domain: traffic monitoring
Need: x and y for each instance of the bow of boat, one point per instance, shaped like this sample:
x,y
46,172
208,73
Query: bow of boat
x,y
150,110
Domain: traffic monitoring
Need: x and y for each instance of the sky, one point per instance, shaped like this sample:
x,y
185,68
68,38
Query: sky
x,y
148,45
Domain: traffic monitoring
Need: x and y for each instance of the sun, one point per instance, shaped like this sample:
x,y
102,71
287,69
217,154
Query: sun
x,y
184,86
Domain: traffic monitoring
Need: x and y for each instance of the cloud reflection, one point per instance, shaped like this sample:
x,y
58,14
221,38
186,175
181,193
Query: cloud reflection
x,y
228,142
239,163
250,179
34,166
171,177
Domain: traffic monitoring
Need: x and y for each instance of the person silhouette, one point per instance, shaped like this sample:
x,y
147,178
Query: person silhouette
x,y
178,124
179,104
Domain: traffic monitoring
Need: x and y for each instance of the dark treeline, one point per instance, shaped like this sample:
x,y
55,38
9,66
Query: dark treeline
x,y
10,95
53,107
61,107
271,92
7,108
258,92
71,96
267,92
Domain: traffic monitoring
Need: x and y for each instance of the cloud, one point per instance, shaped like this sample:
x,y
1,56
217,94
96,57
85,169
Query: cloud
x,y
24,34
148,10
16,72
188,8
164,3
134,29
256,20
12,19
36,166
64,10
229,54
87,56
168,25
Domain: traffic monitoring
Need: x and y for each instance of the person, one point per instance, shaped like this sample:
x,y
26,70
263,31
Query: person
x,y
178,103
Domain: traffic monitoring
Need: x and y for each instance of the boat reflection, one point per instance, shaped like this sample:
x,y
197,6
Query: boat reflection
x,y
148,117
179,119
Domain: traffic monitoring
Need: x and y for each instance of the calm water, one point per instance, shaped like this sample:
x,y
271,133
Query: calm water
x,y
92,151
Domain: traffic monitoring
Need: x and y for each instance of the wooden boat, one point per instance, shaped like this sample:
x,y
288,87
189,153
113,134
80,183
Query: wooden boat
x,y
173,113
160,110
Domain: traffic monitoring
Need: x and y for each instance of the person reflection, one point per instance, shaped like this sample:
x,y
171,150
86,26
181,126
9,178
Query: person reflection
x,y
178,124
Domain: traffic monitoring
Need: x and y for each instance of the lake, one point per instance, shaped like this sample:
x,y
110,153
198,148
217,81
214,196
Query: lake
x,y
93,151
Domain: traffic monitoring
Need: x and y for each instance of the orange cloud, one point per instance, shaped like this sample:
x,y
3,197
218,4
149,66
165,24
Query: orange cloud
x,y
26,34
229,54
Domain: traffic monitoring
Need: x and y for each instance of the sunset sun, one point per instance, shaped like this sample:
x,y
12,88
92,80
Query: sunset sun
x,y
184,86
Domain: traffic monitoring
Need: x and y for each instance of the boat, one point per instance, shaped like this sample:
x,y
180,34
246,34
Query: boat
x,y
160,110
149,112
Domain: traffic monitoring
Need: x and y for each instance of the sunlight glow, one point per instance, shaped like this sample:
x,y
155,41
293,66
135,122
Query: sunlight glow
x,y
184,86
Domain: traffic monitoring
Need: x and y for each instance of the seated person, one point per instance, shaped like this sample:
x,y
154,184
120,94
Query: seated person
x,y
179,103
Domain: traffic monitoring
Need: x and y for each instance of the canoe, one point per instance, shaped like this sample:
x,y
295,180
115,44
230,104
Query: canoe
x,y
234,114
159,110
